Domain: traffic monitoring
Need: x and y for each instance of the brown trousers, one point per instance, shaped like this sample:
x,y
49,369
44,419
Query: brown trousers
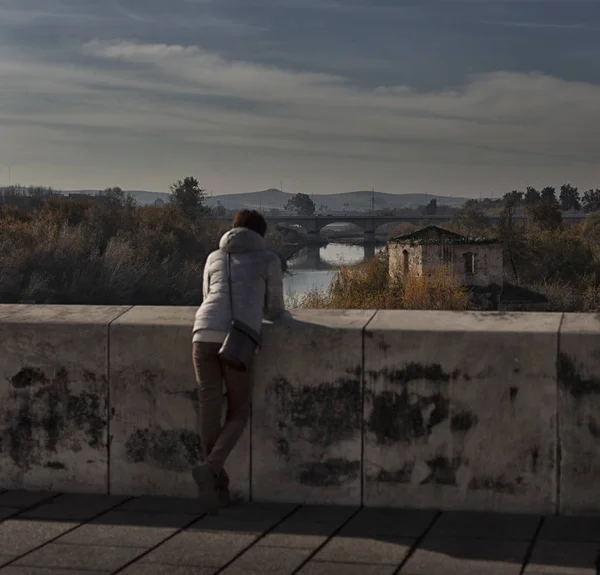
x,y
218,441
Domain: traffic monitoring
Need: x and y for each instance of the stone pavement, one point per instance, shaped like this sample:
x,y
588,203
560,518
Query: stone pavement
x,y
54,534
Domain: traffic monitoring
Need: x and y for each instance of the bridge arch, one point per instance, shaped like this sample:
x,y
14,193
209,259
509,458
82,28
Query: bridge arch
x,y
326,226
287,228
324,222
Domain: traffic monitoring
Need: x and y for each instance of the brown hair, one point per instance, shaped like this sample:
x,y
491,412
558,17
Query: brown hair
x,y
252,220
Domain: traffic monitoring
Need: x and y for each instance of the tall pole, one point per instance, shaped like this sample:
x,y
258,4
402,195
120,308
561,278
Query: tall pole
x,y
373,201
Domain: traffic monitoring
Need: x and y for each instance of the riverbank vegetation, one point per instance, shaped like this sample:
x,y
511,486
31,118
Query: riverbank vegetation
x,y
544,255
108,252
370,286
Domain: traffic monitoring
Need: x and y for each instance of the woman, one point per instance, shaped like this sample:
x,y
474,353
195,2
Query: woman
x,y
257,291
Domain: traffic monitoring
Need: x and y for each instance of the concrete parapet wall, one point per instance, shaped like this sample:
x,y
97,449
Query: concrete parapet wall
x,y
442,410
307,410
460,411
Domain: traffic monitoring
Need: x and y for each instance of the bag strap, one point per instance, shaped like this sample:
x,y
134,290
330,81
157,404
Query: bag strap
x,y
229,285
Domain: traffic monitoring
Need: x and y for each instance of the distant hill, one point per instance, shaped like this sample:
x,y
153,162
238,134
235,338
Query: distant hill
x,y
142,197
276,199
350,201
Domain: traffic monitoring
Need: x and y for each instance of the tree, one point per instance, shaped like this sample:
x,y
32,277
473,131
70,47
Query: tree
x,y
471,218
431,208
511,203
591,201
220,211
301,204
548,193
569,198
189,197
545,214
531,196
116,198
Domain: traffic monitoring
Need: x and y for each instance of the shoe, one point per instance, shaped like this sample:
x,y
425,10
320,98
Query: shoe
x,y
205,478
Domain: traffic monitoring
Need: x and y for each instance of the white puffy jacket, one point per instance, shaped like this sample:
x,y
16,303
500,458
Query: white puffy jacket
x,y
257,286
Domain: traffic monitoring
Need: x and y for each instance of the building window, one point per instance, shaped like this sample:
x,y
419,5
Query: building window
x,y
405,261
447,254
469,262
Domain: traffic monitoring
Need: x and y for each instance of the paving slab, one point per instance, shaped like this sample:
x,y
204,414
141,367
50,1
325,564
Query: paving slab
x,y
394,522
485,526
256,518
380,550
75,506
21,499
18,536
268,560
16,570
329,568
563,558
256,526
6,512
146,569
467,557
571,529
160,504
200,549
94,557
322,514
127,529
300,536
257,508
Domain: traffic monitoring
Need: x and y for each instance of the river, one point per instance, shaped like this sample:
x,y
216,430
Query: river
x,y
314,266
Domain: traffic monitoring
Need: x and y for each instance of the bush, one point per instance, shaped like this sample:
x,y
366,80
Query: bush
x,y
439,290
78,252
369,286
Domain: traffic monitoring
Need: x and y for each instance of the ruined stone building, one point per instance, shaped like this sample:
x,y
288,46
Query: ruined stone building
x,y
474,262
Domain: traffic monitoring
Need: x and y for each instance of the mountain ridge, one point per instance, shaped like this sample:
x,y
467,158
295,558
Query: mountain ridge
x,y
274,198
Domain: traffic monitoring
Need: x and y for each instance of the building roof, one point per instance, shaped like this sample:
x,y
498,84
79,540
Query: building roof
x,y
436,235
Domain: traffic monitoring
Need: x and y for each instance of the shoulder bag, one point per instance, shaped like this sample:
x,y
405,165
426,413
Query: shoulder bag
x,y
242,341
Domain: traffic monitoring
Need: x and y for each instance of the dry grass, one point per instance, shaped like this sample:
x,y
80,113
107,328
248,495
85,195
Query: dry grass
x,y
370,286
437,291
71,252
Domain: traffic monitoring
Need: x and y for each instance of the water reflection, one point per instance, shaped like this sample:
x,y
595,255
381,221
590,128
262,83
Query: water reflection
x,y
313,267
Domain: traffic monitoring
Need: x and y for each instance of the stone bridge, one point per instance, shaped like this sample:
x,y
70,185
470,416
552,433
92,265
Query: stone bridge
x,y
369,223
411,409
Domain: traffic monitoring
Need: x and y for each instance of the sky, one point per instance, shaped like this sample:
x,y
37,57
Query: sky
x,y
465,98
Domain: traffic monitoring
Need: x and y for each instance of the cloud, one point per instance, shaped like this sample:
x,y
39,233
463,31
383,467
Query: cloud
x,y
164,102
542,25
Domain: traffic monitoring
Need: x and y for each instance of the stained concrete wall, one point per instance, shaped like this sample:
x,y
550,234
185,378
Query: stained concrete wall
x,y
54,397
494,411
154,407
579,414
307,412
460,411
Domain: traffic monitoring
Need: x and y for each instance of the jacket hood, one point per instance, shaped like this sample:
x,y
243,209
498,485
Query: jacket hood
x,y
240,240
